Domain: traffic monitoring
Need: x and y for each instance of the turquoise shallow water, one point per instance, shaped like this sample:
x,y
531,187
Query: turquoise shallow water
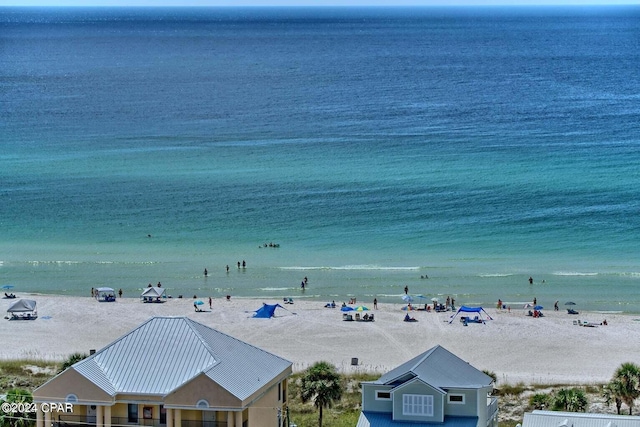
x,y
375,146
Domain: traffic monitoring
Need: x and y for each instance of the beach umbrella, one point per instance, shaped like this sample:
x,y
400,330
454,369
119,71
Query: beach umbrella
x,y
361,308
407,298
434,299
569,303
421,296
198,302
538,307
8,287
346,308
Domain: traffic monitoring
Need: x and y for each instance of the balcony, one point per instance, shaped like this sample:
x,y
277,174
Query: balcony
x,y
492,407
87,421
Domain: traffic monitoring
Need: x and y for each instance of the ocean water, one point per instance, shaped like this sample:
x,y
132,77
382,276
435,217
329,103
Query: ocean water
x,y
377,147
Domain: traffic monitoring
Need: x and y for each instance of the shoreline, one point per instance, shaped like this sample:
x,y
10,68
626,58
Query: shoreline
x,y
516,347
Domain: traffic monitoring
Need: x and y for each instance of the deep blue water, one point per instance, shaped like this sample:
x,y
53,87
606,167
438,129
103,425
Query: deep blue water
x,y
476,146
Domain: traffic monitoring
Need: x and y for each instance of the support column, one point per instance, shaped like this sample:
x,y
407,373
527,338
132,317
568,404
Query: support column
x,y
230,419
39,420
47,419
99,415
239,419
178,417
169,417
107,416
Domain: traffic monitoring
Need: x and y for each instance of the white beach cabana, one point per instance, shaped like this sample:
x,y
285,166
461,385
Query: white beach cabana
x,y
23,309
153,294
105,294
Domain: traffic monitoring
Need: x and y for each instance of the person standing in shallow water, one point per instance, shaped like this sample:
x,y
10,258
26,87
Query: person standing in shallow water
x,y
406,290
375,303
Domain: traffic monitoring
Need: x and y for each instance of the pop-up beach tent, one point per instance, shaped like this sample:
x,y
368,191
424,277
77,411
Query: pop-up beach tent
x,y
465,309
266,311
23,309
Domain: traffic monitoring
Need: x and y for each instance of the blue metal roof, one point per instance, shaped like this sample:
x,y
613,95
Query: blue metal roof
x,y
440,368
377,419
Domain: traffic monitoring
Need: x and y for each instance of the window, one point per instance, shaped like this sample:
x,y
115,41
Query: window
x,y
417,404
163,415
279,392
456,398
383,395
132,413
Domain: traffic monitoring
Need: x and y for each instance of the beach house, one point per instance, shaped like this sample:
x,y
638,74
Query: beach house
x,y
173,372
436,388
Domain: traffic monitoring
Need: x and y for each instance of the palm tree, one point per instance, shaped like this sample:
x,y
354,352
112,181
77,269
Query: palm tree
x,y
321,384
628,374
612,392
72,360
540,400
17,419
572,400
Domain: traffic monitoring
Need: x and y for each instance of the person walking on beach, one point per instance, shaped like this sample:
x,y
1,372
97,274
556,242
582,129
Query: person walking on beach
x,y
555,306
120,293
210,301
375,303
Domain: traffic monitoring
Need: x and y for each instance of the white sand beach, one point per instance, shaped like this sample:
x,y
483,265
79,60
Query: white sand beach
x,y
516,347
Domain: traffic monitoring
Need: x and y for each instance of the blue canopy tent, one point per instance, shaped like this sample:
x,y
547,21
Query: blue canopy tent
x,y
465,309
266,311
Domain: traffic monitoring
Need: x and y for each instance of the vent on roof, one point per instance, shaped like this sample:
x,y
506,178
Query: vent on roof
x,y
565,423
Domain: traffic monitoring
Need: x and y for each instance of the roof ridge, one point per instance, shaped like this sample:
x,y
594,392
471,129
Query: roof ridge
x,y
425,356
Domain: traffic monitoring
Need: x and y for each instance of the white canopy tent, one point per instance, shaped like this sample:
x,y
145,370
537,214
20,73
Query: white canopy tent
x,y
105,294
23,309
153,294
